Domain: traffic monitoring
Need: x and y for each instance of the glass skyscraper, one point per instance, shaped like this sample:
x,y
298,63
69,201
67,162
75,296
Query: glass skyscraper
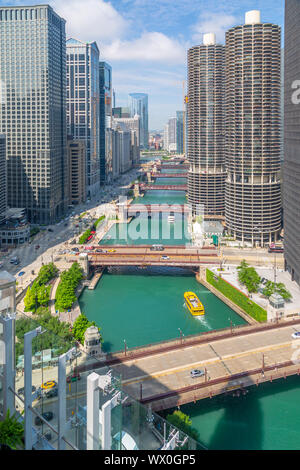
x,y
32,116
180,130
83,111
138,104
105,82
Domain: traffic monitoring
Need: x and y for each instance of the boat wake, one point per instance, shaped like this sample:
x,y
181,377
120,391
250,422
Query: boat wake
x,y
204,322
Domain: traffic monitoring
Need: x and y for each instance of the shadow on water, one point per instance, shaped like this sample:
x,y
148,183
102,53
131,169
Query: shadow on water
x,y
266,418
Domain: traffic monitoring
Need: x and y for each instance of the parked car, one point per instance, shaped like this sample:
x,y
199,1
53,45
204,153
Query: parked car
x,y
50,230
73,378
296,335
165,257
21,273
76,250
48,416
197,373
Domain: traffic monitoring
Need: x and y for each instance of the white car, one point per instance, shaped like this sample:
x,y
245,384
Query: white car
x,y
296,335
197,373
165,257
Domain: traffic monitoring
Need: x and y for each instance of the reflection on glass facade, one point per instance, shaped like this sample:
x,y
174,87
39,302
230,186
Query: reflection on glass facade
x,y
138,104
83,105
105,81
32,116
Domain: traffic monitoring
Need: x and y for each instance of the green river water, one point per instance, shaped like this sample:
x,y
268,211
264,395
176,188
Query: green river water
x,y
143,306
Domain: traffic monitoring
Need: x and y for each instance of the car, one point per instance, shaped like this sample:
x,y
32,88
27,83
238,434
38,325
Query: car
x,y
76,250
48,416
165,257
99,250
111,251
50,230
37,247
14,260
296,335
21,273
22,390
49,385
73,378
197,373
51,393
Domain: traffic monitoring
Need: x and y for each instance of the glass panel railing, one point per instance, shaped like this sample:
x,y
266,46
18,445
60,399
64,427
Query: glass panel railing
x,y
133,426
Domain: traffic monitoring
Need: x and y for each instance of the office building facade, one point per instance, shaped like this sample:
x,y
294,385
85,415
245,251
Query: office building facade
x,y
3,178
83,110
138,104
291,193
105,82
206,99
253,187
180,132
32,116
77,166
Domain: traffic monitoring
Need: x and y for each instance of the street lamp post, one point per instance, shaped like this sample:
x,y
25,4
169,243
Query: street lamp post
x,y
180,332
125,347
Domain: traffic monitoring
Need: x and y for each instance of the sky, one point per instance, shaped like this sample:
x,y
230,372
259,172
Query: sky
x,y
146,41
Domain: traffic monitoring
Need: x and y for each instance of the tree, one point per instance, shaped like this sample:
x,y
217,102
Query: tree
x,y
43,295
184,423
30,299
271,288
11,431
80,326
248,277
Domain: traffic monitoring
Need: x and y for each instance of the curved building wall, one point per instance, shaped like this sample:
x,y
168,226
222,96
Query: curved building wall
x,y
206,90
253,189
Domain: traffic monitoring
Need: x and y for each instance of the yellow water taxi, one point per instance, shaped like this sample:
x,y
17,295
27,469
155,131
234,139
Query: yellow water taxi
x,y
193,304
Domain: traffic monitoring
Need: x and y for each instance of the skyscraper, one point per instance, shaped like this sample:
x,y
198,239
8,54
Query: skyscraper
x,y
206,90
138,104
253,188
291,200
83,110
32,116
105,82
3,180
179,131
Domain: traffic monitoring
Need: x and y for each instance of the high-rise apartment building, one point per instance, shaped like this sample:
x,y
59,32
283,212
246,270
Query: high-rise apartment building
x,y
138,104
83,110
291,184
206,156
253,188
32,115
105,82
3,178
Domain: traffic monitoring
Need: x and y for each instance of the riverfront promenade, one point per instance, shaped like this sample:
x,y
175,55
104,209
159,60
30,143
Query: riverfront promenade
x,y
164,379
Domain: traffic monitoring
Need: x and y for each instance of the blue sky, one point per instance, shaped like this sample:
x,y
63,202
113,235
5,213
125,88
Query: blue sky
x,y
146,41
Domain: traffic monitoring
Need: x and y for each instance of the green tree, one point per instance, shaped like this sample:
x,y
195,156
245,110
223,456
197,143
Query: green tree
x,y
11,431
80,326
184,423
43,295
248,277
30,299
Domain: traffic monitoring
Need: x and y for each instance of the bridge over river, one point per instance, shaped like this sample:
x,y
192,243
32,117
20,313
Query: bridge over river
x,y
231,359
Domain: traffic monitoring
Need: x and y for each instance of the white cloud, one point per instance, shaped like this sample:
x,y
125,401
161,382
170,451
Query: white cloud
x,y
217,23
91,20
151,46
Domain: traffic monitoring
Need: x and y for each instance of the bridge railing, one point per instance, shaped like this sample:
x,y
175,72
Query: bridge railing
x,y
171,344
